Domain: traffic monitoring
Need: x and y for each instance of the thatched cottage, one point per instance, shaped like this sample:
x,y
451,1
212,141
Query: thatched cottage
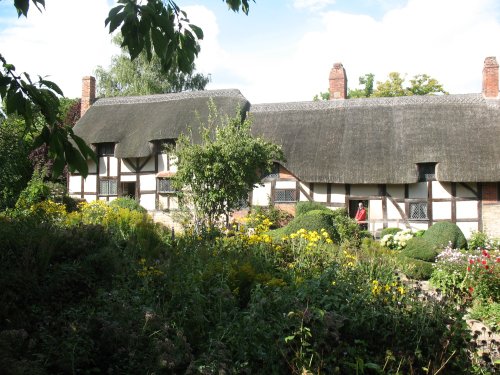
x,y
412,160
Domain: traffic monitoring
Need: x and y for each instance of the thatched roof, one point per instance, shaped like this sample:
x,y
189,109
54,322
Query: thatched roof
x,y
375,140
381,140
133,123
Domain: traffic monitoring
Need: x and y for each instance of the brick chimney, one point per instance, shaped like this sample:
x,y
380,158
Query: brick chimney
x,y
490,78
338,82
88,94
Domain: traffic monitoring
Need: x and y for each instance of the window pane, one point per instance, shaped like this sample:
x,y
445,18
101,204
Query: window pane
x,y
165,185
103,187
112,187
284,195
418,211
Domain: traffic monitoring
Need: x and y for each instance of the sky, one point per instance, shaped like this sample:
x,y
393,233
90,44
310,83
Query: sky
x,y
283,50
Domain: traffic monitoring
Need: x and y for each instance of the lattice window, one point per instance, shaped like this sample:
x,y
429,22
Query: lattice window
x,y
426,172
108,187
165,185
285,195
274,173
106,149
418,211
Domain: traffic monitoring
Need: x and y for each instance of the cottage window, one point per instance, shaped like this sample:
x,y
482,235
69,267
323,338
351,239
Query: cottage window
x,y
108,187
106,149
274,173
418,211
285,195
166,146
426,172
165,185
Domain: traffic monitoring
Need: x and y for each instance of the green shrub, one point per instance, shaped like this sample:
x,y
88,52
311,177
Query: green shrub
x,y
443,232
415,268
278,217
128,203
478,240
315,221
303,207
420,248
389,231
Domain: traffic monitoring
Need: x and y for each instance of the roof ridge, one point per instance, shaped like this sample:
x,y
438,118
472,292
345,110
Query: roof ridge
x,y
157,98
374,102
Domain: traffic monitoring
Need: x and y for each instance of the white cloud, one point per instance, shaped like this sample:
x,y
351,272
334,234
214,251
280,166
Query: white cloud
x,y
312,4
447,39
65,42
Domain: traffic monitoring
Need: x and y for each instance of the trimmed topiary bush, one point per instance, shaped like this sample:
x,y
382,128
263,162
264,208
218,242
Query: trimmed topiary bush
x,y
416,269
389,231
443,232
304,207
420,248
312,221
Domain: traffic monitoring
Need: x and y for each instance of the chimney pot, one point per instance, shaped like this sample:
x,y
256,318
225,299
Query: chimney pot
x,y
88,94
490,77
338,82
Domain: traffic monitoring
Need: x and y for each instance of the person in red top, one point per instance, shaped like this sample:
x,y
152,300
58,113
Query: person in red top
x,y
361,216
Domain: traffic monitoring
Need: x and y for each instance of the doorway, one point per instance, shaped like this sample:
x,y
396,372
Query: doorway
x,y
128,189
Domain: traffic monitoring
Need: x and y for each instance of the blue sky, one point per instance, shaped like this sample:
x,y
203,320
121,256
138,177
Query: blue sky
x,y
283,50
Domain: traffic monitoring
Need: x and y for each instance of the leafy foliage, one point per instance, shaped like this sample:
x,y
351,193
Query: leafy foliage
x,y
421,84
156,26
389,231
216,175
420,248
141,76
439,234
25,98
304,207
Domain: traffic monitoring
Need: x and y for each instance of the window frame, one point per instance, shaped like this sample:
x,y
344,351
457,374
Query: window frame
x,y
418,209
108,181
276,191
158,186
103,149
426,172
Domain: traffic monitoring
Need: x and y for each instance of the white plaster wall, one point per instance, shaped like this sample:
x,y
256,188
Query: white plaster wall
x,y
396,224
112,198
127,178
174,204
113,167
90,184
148,201
149,166
125,167
364,190
441,189
418,226
92,166
288,185
396,191
162,162
467,210
102,199
75,184
375,210
491,219
173,163
90,198
320,192
441,210
418,190
162,201
302,197
103,166
76,196
392,211
468,228
148,182
463,192
338,193
261,194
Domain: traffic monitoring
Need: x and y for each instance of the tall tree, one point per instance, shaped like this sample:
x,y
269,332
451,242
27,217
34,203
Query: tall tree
x,y
141,76
366,91
216,175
